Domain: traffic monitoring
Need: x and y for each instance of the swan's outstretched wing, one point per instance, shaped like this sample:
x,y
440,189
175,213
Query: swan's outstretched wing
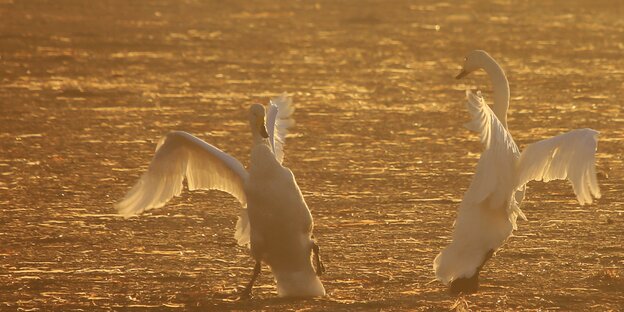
x,y
495,171
278,121
180,155
569,156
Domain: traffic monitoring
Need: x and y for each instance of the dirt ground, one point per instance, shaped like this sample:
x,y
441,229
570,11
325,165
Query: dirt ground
x,y
88,87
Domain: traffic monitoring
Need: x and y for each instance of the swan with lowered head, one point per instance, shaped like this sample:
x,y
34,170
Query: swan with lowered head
x,y
489,209
274,220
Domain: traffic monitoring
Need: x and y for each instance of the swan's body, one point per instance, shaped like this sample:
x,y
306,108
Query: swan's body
x,y
274,220
488,212
285,248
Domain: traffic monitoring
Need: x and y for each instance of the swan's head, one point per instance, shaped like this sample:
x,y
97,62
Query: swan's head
x,y
473,61
256,120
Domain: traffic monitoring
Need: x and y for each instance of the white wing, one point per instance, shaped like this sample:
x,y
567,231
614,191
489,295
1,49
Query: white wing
x,y
279,119
569,156
494,179
180,155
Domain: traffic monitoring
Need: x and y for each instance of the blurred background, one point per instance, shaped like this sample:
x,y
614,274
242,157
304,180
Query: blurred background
x,y
87,88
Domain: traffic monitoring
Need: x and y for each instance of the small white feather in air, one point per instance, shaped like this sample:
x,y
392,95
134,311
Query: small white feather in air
x,y
488,212
274,221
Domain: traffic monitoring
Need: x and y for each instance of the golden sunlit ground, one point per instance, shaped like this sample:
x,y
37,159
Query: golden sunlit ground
x,y
88,87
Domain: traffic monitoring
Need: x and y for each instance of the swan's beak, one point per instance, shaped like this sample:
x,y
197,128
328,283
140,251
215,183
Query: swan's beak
x,y
263,131
462,74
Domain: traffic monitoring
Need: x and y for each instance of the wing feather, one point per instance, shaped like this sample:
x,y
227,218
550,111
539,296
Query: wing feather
x,y
279,119
180,155
495,169
571,156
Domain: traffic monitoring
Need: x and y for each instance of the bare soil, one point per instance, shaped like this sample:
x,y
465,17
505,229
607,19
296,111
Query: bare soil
x,y
88,87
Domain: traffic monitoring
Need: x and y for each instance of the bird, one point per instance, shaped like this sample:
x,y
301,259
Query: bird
x,y
490,207
274,220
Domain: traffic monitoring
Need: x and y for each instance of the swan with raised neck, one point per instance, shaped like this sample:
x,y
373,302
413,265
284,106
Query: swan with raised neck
x,y
487,214
479,59
280,221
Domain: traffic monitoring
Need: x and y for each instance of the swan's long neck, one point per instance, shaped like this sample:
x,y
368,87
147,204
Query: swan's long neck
x,y
257,139
262,158
501,89
263,161
254,127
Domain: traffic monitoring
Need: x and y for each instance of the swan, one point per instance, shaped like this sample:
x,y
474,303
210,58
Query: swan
x,y
274,222
489,209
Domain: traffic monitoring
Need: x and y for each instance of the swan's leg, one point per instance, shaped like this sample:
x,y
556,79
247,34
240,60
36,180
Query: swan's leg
x,y
247,292
471,284
320,268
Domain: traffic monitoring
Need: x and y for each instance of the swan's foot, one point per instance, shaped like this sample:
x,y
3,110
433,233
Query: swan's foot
x,y
464,285
320,268
469,285
246,293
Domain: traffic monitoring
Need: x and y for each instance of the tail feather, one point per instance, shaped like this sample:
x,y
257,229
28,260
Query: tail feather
x,y
478,231
243,229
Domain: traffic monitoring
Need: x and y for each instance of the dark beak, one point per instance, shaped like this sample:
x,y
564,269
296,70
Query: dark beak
x,y
462,74
263,132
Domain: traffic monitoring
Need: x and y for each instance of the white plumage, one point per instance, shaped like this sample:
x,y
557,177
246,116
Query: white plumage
x,y
274,220
488,212
180,156
279,115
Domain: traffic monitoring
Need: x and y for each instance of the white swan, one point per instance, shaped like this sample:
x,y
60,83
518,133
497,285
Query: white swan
x,y
488,212
274,220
